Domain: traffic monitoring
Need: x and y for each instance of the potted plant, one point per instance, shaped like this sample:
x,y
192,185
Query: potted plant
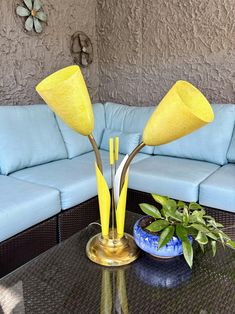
x,y
171,230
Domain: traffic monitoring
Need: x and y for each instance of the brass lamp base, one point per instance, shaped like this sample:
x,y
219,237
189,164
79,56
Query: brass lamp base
x,y
112,252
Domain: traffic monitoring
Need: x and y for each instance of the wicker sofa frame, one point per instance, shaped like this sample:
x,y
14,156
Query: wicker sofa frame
x,y
28,244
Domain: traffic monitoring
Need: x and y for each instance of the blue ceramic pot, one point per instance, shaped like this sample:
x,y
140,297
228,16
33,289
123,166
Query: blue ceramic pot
x,y
148,242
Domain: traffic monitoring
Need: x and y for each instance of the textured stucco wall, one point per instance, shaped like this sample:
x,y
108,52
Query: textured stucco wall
x,y
144,46
26,59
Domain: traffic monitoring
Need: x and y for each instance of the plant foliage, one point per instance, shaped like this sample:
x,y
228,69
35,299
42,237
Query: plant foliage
x,y
184,220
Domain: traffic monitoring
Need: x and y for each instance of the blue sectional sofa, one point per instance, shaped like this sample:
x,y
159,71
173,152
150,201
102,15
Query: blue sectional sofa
x,y
47,175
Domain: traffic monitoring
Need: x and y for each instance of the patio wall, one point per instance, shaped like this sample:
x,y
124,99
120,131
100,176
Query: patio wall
x,y
25,59
144,46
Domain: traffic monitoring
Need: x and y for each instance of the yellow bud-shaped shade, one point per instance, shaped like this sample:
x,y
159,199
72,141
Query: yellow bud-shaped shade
x,y
66,94
183,110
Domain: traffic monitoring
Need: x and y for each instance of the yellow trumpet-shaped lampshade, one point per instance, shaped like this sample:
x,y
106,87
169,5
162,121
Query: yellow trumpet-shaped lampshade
x,y
66,94
183,110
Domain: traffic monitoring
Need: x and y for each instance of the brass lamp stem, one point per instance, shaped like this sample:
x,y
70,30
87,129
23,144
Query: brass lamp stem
x,y
127,164
97,153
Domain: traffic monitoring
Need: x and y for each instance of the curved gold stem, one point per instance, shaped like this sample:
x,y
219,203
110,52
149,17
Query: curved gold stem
x,y
127,164
97,153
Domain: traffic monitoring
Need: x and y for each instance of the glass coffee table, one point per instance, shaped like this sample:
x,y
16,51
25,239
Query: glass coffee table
x,y
63,280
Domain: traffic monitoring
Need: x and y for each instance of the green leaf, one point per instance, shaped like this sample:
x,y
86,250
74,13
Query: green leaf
x,y
209,217
160,199
157,225
194,206
202,247
150,210
185,216
196,216
165,236
212,235
170,211
181,232
170,205
201,238
214,224
164,213
188,252
213,246
218,225
224,235
180,204
200,228
231,244
175,215
22,11
221,238
205,230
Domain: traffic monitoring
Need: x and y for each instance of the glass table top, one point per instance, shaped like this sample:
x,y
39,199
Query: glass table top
x,y
63,280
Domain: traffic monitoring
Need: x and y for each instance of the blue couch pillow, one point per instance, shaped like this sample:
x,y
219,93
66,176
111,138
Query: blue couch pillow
x,y
231,151
78,144
127,141
128,119
29,136
210,143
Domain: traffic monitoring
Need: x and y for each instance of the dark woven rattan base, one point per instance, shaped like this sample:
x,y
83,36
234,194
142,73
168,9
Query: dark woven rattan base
x,y
78,217
28,244
32,242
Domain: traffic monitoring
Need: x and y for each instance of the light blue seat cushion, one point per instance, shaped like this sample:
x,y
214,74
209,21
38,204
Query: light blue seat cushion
x,y
23,204
74,178
29,135
218,190
231,151
174,177
78,144
127,141
209,143
128,119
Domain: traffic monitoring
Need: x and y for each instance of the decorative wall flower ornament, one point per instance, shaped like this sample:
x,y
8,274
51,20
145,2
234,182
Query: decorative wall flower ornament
x,y
31,9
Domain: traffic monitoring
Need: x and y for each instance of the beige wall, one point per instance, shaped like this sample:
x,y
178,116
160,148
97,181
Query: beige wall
x,y
144,46
25,59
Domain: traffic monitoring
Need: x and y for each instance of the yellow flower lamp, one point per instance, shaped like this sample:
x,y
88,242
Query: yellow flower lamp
x,y
183,110
66,94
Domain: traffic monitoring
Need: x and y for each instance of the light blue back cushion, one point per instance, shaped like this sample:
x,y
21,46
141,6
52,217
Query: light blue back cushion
x,y
231,151
129,119
78,144
209,143
127,141
29,135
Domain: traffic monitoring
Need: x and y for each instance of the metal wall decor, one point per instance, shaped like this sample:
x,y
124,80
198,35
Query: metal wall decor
x,y
81,49
34,16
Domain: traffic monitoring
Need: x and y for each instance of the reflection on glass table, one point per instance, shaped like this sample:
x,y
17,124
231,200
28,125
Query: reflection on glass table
x,y
63,280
